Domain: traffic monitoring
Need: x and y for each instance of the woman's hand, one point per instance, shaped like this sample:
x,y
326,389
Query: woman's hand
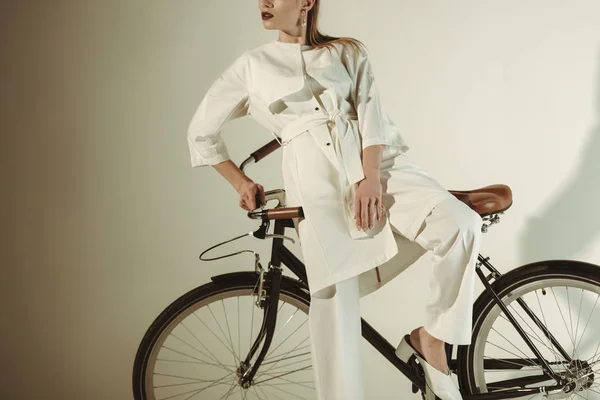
x,y
247,191
367,202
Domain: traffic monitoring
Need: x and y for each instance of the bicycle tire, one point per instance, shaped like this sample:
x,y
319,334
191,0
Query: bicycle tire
x,y
544,274
292,292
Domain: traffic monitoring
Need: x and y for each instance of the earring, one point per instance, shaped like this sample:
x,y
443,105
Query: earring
x,y
303,18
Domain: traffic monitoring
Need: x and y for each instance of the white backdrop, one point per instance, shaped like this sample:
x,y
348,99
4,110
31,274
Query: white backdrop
x,y
104,219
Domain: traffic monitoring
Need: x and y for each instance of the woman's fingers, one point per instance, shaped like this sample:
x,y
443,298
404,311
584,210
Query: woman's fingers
x,y
262,195
369,210
365,211
246,201
372,211
365,214
252,196
357,211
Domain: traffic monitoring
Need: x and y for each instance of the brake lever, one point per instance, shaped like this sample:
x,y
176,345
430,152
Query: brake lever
x,y
277,235
261,233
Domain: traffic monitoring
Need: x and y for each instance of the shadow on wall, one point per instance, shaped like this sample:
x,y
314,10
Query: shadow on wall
x,y
572,220
567,225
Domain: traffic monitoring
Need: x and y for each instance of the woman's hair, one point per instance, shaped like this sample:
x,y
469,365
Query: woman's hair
x,y
319,40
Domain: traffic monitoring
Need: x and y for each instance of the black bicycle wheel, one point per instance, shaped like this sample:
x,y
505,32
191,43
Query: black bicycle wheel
x,y
564,296
194,348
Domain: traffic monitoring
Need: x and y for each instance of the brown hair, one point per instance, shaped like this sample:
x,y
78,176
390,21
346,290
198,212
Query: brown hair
x,y
320,40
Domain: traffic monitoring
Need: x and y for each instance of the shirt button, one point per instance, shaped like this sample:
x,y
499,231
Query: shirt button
x,y
317,108
328,144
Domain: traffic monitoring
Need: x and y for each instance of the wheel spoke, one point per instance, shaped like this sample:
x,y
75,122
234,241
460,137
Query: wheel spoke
x,y
509,342
235,356
561,315
256,393
201,361
189,345
274,364
269,360
285,391
492,331
187,358
537,337
197,391
588,321
221,329
293,362
239,333
285,324
252,309
501,348
287,380
578,315
196,380
264,394
546,325
231,388
198,339
272,351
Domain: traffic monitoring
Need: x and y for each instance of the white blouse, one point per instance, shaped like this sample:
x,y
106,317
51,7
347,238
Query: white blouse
x,y
269,82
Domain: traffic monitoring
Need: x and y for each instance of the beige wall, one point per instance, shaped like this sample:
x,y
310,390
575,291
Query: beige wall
x,y
103,219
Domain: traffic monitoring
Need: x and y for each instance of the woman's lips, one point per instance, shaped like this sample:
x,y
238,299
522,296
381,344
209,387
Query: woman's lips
x,y
266,15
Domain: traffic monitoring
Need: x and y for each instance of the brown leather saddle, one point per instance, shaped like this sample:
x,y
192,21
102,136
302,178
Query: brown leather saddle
x,y
487,200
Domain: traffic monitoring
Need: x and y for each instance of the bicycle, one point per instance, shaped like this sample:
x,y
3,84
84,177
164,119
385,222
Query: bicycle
x,y
177,355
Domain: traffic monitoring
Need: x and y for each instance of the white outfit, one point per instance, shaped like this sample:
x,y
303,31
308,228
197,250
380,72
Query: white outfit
x,y
324,106
452,233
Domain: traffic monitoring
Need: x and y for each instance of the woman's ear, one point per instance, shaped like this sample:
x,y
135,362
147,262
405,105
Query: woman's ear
x,y
308,4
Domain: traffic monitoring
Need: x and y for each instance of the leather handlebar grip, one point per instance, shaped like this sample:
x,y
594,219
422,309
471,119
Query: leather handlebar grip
x,y
285,213
266,150
257,199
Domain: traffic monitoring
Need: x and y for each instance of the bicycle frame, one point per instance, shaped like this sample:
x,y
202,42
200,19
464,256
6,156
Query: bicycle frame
x,y
282,255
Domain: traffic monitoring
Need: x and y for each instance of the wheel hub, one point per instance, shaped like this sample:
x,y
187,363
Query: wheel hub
x,y
578,377
241,372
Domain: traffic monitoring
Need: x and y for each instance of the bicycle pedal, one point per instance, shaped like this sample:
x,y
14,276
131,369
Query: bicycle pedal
x,y
417,369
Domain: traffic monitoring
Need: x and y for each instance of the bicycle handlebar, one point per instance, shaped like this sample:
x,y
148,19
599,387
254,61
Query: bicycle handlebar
x,y
265,150
277,212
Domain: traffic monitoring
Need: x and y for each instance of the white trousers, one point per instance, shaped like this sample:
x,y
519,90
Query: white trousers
x,y
452,233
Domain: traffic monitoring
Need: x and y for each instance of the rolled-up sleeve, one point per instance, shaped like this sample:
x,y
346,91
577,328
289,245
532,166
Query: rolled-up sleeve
x,y
226,99
375,125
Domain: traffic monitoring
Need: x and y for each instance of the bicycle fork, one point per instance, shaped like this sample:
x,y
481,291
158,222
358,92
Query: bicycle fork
x,y
268,300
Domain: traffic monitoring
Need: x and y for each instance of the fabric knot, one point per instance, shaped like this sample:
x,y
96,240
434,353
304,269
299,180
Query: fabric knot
x,y
333,114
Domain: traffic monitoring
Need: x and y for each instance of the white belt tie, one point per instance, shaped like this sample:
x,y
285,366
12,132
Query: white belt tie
x,y
347,147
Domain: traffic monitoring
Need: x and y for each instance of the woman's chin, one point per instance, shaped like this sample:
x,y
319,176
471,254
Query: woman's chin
x,y
268,25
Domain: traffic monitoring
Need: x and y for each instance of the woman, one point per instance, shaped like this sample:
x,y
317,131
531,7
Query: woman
x,y
369,211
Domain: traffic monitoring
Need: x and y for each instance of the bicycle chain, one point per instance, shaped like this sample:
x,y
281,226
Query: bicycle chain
x,y
419,370
549,363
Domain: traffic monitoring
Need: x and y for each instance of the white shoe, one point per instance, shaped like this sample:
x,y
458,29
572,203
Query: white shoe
x,y
438,384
